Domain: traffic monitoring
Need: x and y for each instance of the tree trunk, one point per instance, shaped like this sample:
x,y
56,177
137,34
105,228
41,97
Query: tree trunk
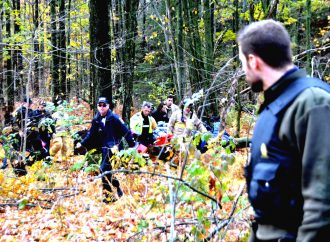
x,y
9,71
100,55
36,48
144,14
117,29
209,48
238,107
168,36
269,7
131,7
235,26
68,54
55,54
183,87
17,54
44,90
308,36
2,84
209,58
172,40
62,50
195,60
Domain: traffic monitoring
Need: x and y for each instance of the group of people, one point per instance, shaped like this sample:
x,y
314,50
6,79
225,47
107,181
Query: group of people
x,y
108,129
34,130
37,138
180,120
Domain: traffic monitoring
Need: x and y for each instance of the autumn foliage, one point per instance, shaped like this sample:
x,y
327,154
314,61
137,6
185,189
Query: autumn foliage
x,y
202,196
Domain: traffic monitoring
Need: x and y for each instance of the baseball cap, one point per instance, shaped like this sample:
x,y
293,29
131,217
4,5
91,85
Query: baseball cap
x,y
103,100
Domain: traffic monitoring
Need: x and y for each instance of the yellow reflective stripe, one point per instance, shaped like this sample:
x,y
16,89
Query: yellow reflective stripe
x,y
179,125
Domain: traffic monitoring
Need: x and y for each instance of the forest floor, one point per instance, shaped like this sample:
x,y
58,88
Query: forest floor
x,y
54,203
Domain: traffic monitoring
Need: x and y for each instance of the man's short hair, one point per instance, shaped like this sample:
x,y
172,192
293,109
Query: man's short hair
x,y
267,39
146,104
170,96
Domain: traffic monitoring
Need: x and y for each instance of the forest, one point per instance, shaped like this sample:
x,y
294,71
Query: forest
x,y
68,53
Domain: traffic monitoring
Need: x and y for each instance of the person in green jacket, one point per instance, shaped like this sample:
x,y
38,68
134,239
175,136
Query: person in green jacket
x,y
288,175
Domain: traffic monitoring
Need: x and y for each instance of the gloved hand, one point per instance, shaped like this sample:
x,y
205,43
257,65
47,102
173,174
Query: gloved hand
x,y
78,145
114,149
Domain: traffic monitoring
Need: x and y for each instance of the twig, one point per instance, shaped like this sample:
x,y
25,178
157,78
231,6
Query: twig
x,y
160,175
60,189
26,205
163,228
227,221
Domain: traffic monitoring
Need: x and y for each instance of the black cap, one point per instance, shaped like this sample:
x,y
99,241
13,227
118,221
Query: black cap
x,y
29,100
103,100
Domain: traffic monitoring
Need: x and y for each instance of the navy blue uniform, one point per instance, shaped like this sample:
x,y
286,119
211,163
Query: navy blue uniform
x,y
107,132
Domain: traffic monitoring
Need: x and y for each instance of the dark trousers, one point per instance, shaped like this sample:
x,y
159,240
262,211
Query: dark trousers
x,y
106,166
146,140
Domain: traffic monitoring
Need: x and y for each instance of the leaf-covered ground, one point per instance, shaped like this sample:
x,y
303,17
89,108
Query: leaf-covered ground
x,y
54,203
71,207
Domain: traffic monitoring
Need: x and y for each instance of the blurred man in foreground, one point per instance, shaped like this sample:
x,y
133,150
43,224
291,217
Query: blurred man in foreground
x,y
288,176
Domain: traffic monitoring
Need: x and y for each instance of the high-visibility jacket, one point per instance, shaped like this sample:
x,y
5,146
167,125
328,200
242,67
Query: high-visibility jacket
x,y
136,123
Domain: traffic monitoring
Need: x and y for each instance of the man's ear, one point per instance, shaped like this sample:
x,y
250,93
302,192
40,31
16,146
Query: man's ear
x,y
252,61
255,61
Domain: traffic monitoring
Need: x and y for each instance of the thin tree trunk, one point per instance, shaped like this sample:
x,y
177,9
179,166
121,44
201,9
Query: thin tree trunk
x,y
177,82
55,53
100,56
62,50
180,57
44,90
308,36
68,54
209,47
196,75
9,71
117,27
235,25
2,84
168,36
36,48
131,7
17,53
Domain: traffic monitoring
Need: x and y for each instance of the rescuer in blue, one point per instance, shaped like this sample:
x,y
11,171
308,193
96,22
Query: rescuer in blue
x,y
288,177
106,132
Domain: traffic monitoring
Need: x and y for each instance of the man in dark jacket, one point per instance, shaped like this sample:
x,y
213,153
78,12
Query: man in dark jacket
x,y
22,111
288,175
46,124
27,133
108,129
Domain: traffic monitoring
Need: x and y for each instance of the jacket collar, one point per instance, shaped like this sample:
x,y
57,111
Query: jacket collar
x,y
98,115
279,86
